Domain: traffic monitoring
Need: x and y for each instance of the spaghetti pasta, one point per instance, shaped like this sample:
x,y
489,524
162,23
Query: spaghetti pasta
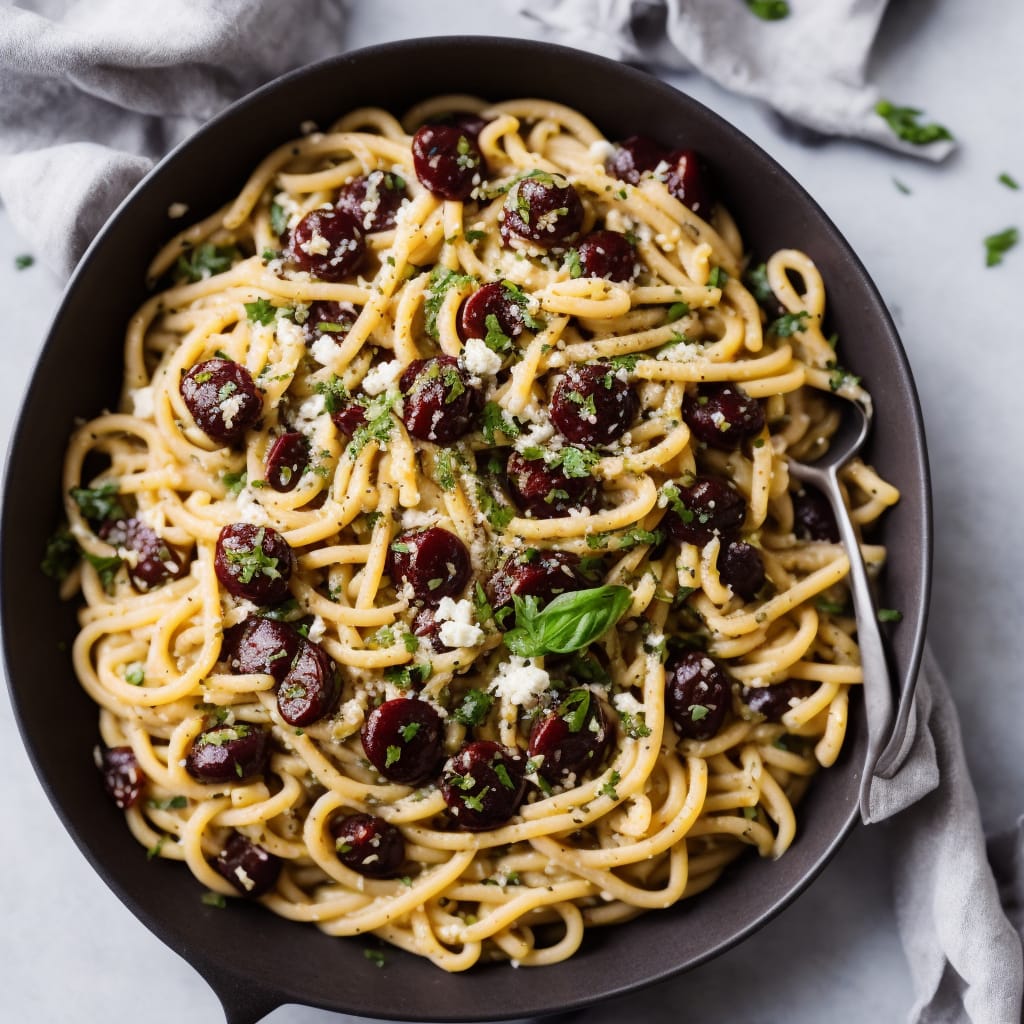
x,y
442,577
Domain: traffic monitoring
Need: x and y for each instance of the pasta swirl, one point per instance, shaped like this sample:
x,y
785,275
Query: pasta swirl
x,y
443,578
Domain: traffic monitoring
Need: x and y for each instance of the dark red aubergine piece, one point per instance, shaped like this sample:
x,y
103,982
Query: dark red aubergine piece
x,y
591,405
774,701
434,562
544,211
287,461
447,160
403,739
261,645
723,415
368,844
495,300
741,568
122,776
710,508
440,404
253,562
156,563
373,199
247,866
813,518
222,398
328,244
689,180
326,317
634,157
484,785
228,753
544,492
310,689
697,695
608,254
572,738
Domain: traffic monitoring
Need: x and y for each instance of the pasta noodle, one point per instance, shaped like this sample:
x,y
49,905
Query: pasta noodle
x,y
700,671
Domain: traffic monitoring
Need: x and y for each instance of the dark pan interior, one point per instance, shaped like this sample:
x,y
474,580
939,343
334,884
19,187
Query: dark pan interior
x,y
255,960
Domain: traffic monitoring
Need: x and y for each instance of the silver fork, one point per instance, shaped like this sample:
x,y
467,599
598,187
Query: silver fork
x,y
823,473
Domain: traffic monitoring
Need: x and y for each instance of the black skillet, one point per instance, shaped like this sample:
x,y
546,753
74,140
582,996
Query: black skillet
x,y
254,960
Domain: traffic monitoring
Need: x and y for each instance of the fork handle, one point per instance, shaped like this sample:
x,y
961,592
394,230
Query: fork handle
x,y
877,685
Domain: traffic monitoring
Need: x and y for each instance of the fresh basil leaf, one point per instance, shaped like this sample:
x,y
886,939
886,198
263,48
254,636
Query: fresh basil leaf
x,y
568,623
903,122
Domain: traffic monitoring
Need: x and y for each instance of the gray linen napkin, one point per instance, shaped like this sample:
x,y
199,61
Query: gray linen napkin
x,y
810,65
91,94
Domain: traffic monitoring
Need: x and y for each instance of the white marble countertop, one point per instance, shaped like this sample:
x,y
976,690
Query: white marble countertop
x,y
69,951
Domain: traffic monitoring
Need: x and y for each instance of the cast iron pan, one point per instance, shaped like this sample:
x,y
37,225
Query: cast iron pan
x,y
254,960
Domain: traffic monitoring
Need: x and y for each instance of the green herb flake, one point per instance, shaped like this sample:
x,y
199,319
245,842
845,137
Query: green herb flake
x,y
889,615
262,311
769,10
996,246
1008,181
174,803
408,731
698,712
903,123
154,850
204,261
608,789
627,363
334,392
473,235
718,278
495,338
750,813
442,280
99,504
394,754
839,377
572,263
404,676
213,899
831,607
574,709
634,726
676,311
278,219
519,297
901,186
253,561
23,261
474,709
234,482
788,324
497,514
106,567
503,776
375,956
61,554
135,673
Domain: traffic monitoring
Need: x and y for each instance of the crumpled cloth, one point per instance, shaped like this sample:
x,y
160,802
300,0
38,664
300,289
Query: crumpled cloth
x,y
92,93
810,66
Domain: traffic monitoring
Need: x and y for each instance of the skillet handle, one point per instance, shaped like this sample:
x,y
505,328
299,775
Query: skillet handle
x,y
243,1002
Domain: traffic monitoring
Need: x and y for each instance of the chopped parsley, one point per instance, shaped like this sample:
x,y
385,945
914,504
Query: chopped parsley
x,y
404,676
495,338
497,514
718,278
608,789
394,754
98,504
769,10
154,850
494,419
174,803
518,296
278,219
442,280
234,482
889,615
23,261
574,709
253,561
408,731
135,673
106,567
61,554
698,712
788,324
335,393
627,363
204,261
839,377
375,956
473,235
634,726
572,263
677,310
831,607
903,122
996,246
444,468
213,899
378,426
1008,181
262,311
901,186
